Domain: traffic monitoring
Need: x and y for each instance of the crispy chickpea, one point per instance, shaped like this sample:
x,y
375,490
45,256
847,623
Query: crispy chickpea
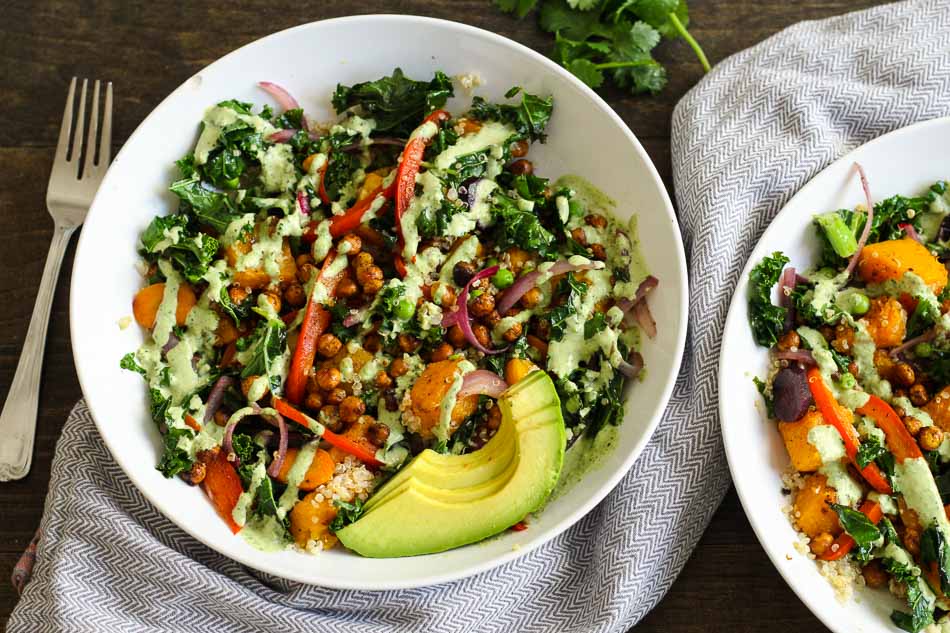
x,y
531,298
197,473
398,368
441,352
493,421
481,334
330,417
408,343
294,295
899,392
313,401
445,293
918,395
382,380
853,369
903,374
930,438
389,398
492,319
579,236
913,425
238,294
463,272
335,396
598,251
371,280
521,167
304,258
596,220
328,345
372,343
305,272
456,337
377,433
788,341
351,409
911,538
820,544
221,418
346,288
511,334
519,149
844,339
273,299
350,244
328,378
362,261
874,575
482,305
828,333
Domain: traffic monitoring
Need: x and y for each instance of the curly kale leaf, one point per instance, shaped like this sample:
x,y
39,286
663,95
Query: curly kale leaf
x,y
175,460
766,319
346,513
516,227
171,237
529,117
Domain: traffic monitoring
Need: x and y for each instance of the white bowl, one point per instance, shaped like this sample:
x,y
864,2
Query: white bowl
x,y
586,138
906,161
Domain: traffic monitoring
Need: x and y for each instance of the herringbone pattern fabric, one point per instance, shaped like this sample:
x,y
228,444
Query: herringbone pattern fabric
x,y
746,138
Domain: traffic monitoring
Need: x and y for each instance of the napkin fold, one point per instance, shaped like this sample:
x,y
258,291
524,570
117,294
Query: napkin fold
x,y
748,136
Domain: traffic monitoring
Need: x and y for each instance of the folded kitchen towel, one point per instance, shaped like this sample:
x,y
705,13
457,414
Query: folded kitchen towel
x,y
745,139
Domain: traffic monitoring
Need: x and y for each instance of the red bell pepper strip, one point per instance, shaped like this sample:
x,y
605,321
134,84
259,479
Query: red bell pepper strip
x,y
315,322
899,440
321,190
223,487
872,510
192,423
406,179
831,412
351,219
339,441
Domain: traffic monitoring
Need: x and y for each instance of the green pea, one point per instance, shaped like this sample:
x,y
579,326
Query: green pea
x,y
923,350
847,381
405,309
858,303
503,278
491,261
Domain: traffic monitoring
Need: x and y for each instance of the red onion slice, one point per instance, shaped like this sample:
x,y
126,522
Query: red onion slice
x,y
803,356
526,282
303,203
462,318
281,136
277,420
923,338
867,223
233,421
911,232
216,395
482,382
785,287
283,99
641,312
632,368
645,287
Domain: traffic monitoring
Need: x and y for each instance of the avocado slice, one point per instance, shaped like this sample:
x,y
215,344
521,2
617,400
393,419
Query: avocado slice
x,y
434,508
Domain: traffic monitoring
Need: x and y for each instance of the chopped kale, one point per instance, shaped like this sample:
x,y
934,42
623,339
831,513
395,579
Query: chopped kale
x,y
175,460
529,117
128,362
766,319
515,226
346,513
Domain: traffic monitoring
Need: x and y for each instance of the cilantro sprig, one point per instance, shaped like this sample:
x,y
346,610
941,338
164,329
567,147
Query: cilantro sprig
x,y
597,39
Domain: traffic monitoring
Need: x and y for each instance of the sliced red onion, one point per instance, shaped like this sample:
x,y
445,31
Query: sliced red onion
x,y
283,99
641,312
233,421
785,287
911,232
867,223
216,395
926,337
170,343
357,316
462,318
647,285
632,368
277,420
303,202
483,383
281,136
526,282
803,356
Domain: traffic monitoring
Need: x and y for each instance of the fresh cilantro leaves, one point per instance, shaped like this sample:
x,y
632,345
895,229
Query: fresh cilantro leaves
x,y
766,319
600,39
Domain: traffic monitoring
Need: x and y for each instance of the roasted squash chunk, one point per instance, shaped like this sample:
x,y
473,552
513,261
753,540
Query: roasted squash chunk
x,y
811,510
805,457
886,322
891,259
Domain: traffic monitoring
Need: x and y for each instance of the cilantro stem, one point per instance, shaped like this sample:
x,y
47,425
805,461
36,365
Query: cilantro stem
x,y
675,21
606,65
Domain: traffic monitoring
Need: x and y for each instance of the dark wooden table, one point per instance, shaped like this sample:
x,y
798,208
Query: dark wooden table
x,y
147,49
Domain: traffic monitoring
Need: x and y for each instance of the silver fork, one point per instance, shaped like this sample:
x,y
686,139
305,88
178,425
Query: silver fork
x,y
78,169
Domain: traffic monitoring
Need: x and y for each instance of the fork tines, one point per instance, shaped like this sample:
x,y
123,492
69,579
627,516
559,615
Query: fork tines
x,y
85,158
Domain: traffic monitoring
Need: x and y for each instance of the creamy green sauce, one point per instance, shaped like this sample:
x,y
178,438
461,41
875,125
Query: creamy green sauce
x,y
265,534
277,168
296,475
448,401
586,455
827,441
215,120
490,134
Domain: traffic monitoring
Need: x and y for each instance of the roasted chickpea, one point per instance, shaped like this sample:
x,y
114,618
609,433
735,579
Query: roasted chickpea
x,y
377,433
521,167
350,244
330,417
492,319
346,288
511,334
820,543
444,294
372,343
930,438
579,236
383,381
531,298
481,334
304,258
305,272
328,378
788,341
441,352
371,279
313,401
335,396
328,345
398,368
913,425
274,300
456,337
463,272
903,374
351,409
362,261
238,294
389,398
598,251
408,343
918,395
595,220
221,418
844,339
519,148
493,420
874,575
197,473
482,305
294,295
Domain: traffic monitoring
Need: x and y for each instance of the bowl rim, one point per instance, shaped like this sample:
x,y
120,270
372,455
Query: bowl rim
x,y
795,583
259,563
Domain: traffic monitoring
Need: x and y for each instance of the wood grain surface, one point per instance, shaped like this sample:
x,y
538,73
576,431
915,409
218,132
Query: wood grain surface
x,y
148,49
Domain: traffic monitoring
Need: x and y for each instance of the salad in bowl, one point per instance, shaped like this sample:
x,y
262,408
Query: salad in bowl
x,y
858,383
385,330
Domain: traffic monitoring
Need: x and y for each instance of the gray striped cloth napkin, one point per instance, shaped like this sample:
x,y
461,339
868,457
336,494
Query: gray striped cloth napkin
x,y
745,139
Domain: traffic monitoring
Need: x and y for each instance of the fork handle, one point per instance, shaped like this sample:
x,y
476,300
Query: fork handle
x,y
18,419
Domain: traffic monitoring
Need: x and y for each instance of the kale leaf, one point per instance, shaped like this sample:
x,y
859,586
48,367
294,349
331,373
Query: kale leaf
x,y
762,388
869,451
516,227
595,324
765,319
857,524
397,104
266,343
921,613
128,362
529,117
210,208
190,251
346,513
935,549
574,291
174,459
